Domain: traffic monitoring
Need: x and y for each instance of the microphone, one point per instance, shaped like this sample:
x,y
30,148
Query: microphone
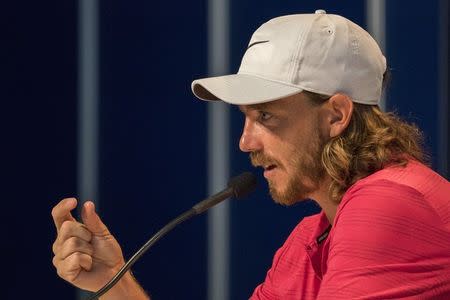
x,y
238,187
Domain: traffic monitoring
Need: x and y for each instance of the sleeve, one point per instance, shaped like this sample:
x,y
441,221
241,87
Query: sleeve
x,y
382,233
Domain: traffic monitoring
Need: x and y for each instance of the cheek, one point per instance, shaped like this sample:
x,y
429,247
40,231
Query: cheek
x,y
300,153
288,157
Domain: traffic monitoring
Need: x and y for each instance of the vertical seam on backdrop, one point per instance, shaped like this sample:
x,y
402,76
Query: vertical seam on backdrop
x,y
376,26
88,92
443,124
218,154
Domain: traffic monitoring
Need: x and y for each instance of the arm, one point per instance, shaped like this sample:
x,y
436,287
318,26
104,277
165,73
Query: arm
x,y
87,255
126,288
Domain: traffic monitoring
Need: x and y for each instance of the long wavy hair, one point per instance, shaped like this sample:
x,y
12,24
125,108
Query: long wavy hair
x,y
372,140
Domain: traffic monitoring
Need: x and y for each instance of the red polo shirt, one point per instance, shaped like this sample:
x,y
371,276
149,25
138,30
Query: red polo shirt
x,y
390,240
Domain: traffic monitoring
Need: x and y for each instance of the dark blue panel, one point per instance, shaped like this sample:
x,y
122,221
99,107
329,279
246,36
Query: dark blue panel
x,y
38,94
447,55
259,226
153,138
413,53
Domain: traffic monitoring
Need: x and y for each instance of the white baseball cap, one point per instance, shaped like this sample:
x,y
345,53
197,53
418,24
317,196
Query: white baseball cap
x,y
320,53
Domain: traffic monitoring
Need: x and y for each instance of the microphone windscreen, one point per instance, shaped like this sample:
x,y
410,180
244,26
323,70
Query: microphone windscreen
x,y
242,184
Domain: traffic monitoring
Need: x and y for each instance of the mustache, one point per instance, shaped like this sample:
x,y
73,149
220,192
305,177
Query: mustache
x,y
258,158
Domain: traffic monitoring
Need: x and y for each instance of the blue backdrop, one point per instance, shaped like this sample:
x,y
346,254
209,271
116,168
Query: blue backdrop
x,y
153,133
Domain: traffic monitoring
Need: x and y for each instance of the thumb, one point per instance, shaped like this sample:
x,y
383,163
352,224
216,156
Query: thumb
x,y
91,220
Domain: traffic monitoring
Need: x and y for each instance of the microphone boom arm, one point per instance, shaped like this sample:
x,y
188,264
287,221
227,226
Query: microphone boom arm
x,y
238,186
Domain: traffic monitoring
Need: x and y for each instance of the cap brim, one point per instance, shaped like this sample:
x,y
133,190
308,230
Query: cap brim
x,y
241,89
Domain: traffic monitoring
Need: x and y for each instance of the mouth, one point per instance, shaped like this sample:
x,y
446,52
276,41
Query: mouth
x,y
269,169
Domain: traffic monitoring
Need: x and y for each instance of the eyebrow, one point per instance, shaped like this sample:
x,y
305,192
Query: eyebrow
x,y
260,106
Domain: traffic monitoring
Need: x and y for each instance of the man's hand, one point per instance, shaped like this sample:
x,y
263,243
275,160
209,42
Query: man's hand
x,y
86,254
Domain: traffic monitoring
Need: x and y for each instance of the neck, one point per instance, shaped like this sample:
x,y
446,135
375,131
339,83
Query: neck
x,y
322,197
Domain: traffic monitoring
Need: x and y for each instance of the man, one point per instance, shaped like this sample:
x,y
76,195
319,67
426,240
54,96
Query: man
x,y
309,87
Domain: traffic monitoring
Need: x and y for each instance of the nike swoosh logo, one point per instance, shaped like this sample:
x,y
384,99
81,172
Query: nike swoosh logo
x,y
256,43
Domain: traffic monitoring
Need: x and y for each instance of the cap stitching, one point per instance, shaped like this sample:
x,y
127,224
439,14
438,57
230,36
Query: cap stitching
x,y
344,75
296,54
303,87
286,83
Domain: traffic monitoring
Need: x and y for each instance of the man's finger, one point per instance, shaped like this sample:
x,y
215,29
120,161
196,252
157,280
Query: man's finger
x,y
70,229
61,211
74,245
70,267
92,220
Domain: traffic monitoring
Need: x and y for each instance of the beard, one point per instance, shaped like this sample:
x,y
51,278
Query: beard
x,y
306,162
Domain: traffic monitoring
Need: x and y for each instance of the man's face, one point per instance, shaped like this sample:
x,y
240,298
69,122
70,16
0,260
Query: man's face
x,y
285,138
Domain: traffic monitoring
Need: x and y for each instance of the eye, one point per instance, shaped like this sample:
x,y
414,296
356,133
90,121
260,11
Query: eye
x,y
264,116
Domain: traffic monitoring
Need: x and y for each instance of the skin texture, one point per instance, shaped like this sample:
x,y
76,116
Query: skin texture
x,y
285,137
287,149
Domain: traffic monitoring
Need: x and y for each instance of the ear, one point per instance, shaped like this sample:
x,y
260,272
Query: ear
x,y
340,113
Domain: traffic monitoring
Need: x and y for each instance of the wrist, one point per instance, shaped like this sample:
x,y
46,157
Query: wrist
x,y
126,288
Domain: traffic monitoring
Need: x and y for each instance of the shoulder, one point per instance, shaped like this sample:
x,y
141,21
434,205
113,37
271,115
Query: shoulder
x,y
377,219
386,234
379,192
413,189
385,203
414,174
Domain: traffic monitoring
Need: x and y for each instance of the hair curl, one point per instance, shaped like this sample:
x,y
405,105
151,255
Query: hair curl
x,y
372,140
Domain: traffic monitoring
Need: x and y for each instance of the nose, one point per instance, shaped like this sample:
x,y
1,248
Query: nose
x,y
250,140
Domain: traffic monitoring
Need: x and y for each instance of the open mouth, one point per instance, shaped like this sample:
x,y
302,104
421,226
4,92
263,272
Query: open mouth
x,y
270,167
269,170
